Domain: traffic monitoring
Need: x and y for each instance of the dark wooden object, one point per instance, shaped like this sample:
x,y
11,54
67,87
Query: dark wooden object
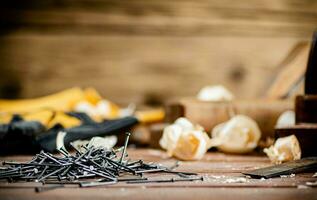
x,y
311,72
306,105
296,166
306,109
173,110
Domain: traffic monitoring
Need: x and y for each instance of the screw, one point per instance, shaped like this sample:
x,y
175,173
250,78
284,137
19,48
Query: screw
x,y
166,180
125,146
62,182
93,184
92,162
51,158
131,179
31,164
149,171
50,174
123,167
43,189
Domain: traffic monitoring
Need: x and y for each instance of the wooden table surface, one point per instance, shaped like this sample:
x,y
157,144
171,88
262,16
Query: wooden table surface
x,y
221,181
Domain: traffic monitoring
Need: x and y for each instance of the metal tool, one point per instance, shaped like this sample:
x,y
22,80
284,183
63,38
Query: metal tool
x,y
302,165
89,168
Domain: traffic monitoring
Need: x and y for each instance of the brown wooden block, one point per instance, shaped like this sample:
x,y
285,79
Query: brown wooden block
x,y
209,114
306,109
173,110
156,131
306,135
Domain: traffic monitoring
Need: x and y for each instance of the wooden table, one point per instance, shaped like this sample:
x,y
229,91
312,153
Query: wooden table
x,y
221,181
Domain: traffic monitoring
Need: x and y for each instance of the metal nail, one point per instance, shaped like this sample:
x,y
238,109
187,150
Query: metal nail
x,y
125,146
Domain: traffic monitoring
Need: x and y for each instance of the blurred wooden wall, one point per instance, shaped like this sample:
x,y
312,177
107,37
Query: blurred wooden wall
x,y
148,50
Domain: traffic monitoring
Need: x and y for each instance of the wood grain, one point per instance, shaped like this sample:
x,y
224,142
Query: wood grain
x,y
291,74
210,114
264,18
215,167
144,50
134,69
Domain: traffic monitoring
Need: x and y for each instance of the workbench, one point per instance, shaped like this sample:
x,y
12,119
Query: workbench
x,y
222,180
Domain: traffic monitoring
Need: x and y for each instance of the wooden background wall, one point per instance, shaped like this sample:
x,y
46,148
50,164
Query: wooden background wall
x,y
148,50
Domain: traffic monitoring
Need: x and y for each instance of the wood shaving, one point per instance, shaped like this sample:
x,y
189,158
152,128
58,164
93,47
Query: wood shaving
x,y
288,176
185,140
215,93
240,134
236,180
311,183
284,149
302,187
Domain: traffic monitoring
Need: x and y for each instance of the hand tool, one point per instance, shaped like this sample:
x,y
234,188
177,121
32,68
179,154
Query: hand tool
x,y
292,167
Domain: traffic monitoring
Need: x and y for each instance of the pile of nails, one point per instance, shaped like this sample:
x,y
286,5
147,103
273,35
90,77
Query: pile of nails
x,y
89,167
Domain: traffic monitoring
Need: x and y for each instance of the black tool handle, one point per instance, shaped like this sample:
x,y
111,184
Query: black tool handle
x,y
311,71
47,141
85,132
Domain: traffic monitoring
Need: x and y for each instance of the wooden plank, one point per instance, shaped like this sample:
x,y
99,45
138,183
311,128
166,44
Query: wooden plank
x,y
145,50
134,69
291,72
210,114
153,5
184,18
164,193
215,184
169,29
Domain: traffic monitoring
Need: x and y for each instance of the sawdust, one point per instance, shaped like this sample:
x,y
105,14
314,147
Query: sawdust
x,y
236,180
302,187
311,183
288,176
217,177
